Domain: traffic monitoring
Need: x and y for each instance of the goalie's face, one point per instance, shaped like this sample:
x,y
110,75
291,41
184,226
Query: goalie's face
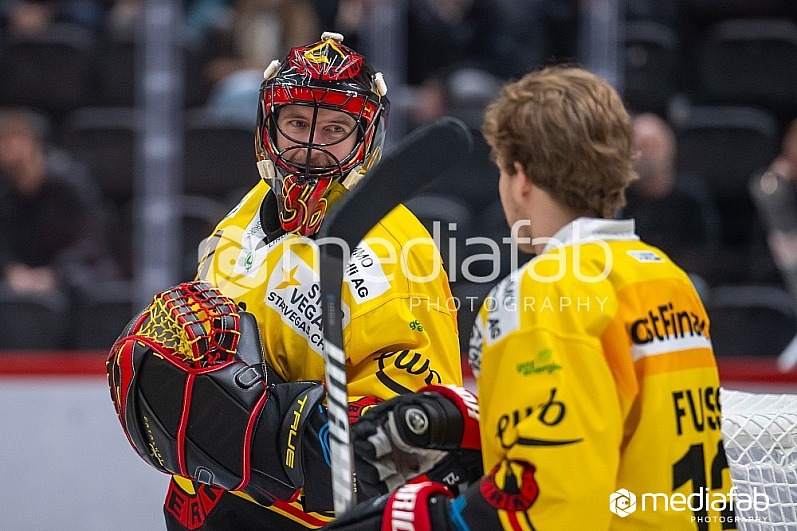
x,y
314,148
315,138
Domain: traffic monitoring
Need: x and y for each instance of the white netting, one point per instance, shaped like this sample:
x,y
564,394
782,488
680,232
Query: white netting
x,y
760,436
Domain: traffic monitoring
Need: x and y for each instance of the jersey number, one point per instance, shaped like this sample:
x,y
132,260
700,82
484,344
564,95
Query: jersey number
x,y
691,467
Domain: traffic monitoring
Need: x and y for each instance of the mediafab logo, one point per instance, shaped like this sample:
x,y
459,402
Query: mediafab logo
x,y
623,502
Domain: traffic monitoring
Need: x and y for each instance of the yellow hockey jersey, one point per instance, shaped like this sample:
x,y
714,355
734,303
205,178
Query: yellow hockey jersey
x,y
400,329
598,390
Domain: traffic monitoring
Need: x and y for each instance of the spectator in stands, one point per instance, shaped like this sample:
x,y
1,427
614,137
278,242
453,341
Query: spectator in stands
x,y
785,163
764,251
536,33
442,37
673,212
49,213
35,16
253,33
505,38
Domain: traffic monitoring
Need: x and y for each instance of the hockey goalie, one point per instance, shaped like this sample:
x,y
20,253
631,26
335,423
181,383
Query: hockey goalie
x,y
217,382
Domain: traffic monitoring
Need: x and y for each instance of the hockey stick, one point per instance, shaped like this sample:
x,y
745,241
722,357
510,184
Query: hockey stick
x,y
415,161
773,195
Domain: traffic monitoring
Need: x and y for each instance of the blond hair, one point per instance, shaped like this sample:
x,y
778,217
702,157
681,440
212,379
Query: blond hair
x,y
570,132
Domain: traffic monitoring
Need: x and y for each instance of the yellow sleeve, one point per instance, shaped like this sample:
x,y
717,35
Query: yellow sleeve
x,y
402,347
406,337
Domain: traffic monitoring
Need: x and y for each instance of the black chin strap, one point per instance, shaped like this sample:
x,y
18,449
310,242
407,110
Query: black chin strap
x,y
269,217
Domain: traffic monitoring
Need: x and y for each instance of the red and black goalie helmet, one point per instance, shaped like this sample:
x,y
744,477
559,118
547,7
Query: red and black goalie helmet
x,y
313,151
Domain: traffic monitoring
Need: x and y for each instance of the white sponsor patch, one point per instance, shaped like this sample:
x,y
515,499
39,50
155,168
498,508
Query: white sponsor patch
x,y
645,256
475,348
364,274
502,310
253,252
294,293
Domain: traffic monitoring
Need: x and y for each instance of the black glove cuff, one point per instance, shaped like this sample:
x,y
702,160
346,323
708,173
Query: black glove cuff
x,y
431,421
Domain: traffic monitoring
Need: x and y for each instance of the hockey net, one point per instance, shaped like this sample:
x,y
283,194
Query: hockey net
x,y
760,435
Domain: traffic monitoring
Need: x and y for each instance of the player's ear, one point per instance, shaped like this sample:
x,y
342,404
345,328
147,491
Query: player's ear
x,y
521,185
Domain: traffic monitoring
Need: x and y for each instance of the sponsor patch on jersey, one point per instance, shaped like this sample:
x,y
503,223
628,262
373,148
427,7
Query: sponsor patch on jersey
x,y
364,274
511,486
542,363
645,255
294,293
502,310
409,362
671,326
252,253
475,348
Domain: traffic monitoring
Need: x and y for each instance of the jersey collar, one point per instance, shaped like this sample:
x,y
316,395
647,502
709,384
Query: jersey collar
x,y
583,230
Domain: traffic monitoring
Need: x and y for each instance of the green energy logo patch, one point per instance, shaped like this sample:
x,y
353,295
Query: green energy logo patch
x,y
542,363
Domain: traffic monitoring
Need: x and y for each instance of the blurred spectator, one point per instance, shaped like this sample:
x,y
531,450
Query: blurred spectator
x,y
343,16
464,93
442,35
775,197
445,35
535,33
235,95
451,43
34,16
122,16
253,33
785,163
49,213
673,212
202,14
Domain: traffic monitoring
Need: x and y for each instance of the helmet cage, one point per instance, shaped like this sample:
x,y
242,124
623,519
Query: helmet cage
x,y
361,109
324,75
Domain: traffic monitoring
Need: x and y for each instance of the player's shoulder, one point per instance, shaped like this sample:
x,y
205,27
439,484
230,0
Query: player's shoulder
x,y
247,207
550,291
399,226
634,262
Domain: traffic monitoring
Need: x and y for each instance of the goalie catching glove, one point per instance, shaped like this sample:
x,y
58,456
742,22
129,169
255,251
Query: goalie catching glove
x,y
196,398
432,434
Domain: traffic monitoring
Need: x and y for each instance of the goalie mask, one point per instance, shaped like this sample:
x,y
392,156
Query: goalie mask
x,y
320,127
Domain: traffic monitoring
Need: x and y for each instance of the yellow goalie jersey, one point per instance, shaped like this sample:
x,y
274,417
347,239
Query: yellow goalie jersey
x,y
598,391
399,328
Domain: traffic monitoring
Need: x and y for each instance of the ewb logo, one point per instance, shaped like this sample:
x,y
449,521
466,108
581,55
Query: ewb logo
x,y
622,502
